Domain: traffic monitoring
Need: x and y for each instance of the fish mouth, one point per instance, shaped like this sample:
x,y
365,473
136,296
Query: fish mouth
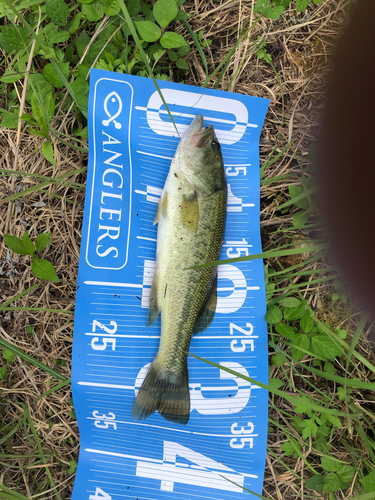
x,y
201,136
196,125
204,136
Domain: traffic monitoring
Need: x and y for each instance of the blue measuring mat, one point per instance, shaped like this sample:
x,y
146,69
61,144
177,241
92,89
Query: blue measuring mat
x,y
132,141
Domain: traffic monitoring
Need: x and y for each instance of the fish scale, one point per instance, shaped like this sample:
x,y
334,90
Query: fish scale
x,y
186,287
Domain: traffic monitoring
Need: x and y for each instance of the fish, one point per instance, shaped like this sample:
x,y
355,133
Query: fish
x,y
191,221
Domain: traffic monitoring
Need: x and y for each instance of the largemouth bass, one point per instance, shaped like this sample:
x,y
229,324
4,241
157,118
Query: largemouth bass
x,y
191,220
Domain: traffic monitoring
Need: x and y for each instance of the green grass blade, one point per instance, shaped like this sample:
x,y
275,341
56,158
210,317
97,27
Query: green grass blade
x,y
19,295
301,196
226,61
355,339
293,229
74,138
293,287
54,389
305,351
312,259
336,337
10,495
355,384
245,489
144,57
283,463
54,195
199,48
261,496
74,185
269,162
354,342
69,144
11,432
36,309
42,185
6,455
295,400
40,449
365,496
277,178
265,255
30,359
7,426
302,273
369,445
293,243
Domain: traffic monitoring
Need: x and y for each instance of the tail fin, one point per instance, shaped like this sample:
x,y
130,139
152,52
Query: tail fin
x,y
166,393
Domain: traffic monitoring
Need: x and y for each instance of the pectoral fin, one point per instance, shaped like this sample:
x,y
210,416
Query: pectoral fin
x,y
190,212
153,308
207,312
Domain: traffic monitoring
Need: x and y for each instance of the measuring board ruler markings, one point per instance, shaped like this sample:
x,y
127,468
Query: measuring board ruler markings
x,y
223,447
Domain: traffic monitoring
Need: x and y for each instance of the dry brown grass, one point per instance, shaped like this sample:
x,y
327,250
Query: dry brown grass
x,y
300,46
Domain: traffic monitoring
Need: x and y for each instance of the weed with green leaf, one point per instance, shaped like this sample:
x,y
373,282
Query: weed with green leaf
x,y
42,268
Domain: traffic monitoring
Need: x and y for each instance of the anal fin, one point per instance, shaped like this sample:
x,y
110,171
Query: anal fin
x,y
153,308
207,312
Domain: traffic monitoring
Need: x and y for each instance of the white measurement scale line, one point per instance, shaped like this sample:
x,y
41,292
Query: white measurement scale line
x,y
151,168
107,283
123,455
237,165
146,336
144,238
187,115
135,285
132,388
154,147
231,245
109,386
151,138
216,388
183,430
99,315
117,377
155,156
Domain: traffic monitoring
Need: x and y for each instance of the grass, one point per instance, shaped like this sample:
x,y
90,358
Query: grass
x,y
322,373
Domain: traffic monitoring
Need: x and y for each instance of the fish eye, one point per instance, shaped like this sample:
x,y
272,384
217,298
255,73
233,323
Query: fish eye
x,y
215,145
